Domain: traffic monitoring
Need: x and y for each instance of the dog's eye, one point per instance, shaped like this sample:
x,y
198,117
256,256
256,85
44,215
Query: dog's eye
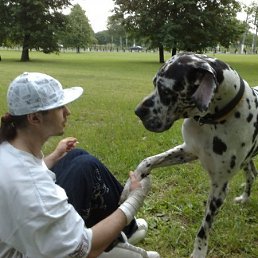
x,y
167,96
163,90
166,92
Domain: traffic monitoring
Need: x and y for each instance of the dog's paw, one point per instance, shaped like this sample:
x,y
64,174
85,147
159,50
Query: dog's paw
x,y
197,255
200,249
142,170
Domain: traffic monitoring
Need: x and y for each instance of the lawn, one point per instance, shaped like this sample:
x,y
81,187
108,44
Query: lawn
x,y
103,120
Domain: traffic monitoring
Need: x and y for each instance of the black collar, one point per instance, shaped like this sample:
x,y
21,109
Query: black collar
x,y
217,117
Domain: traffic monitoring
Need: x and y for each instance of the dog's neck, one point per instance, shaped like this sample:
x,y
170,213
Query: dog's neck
x,y
219,115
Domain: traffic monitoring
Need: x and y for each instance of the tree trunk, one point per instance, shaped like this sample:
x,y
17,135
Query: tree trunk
x,y
25,48
173,51
161,54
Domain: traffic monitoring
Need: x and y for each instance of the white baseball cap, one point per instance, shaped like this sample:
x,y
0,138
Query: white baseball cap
x,y
33,92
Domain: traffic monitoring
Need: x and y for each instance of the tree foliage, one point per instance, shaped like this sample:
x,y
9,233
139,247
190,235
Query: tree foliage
x,y
32,23
182,24
251,23
103,37
78,32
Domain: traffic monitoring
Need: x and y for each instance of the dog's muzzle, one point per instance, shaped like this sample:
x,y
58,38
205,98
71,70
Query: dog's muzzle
x,y
150,121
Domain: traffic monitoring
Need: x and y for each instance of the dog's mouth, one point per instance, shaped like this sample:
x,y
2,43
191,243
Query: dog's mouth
x,y
152,122
155,125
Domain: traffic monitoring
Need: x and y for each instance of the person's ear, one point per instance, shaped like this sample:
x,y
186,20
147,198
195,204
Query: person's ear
x,y
34,118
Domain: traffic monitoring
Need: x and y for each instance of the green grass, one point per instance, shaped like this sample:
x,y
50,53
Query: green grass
x,y
103,120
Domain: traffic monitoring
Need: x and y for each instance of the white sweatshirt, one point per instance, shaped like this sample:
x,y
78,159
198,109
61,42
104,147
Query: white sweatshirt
x,y
36,220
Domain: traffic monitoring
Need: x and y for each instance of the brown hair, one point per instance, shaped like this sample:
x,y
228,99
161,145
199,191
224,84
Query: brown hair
x,y
9,123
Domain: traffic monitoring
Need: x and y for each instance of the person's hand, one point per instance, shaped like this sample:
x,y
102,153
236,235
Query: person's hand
x,y
60,151
138,190
64,146
135,183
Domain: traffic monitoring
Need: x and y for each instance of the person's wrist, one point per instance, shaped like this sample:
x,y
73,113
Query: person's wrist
x,y
132,204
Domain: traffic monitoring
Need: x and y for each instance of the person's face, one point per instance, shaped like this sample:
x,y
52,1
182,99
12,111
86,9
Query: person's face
x,y
54,121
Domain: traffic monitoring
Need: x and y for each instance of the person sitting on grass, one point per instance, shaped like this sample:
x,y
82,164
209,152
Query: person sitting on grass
x,y
67,203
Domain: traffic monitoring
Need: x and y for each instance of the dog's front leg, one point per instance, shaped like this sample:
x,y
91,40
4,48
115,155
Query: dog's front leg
x,y
216,198
176,155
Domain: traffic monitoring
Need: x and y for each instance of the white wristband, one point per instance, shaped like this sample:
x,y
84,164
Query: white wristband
x,y
132,204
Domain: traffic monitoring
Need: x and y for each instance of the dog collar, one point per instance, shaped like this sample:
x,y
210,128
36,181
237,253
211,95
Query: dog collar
x,y
218,116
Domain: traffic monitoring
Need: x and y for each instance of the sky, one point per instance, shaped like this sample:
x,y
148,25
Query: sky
x,y
97,11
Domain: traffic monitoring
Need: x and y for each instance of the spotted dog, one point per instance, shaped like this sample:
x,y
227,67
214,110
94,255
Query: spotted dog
x,y
220,128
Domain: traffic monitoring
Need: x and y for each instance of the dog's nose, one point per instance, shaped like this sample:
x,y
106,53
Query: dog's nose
x,y
141,112
143,109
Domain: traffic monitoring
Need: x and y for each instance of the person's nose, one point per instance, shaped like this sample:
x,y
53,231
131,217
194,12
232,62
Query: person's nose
x,y
67,111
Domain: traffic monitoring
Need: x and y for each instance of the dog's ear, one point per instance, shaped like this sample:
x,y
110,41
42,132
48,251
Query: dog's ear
x,y
205,91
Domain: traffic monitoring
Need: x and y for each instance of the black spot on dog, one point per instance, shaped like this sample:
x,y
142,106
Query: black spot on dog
x,y
201,233
173,71
256,103
233,162
219,146
237,115
178,86
248,103
219,201
255,129
215,185
249,118
208,220
225,187
215,205
212,207
219,66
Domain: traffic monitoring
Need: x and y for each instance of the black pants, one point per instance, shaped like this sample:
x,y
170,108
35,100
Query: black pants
x,y
91,188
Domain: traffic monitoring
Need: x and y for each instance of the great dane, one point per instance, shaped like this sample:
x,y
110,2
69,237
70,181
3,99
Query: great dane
x,y
220,112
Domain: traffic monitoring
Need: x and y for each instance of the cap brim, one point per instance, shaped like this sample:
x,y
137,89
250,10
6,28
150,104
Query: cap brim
x,y
70,94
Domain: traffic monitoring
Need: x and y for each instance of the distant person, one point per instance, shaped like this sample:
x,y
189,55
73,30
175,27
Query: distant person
x,y
36,218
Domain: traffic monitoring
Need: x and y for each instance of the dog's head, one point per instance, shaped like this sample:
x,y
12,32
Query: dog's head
x,y
183,87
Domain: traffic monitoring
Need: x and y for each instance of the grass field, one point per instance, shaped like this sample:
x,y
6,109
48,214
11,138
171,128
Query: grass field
x,y
103,120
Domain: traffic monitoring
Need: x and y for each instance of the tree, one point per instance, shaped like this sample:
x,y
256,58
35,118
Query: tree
x,y
117,31
32,23
181,24
78,33
103,37
4,23
250,23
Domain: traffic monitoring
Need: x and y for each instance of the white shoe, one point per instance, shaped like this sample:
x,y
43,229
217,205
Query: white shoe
x,y
140,233
153,254
126,250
